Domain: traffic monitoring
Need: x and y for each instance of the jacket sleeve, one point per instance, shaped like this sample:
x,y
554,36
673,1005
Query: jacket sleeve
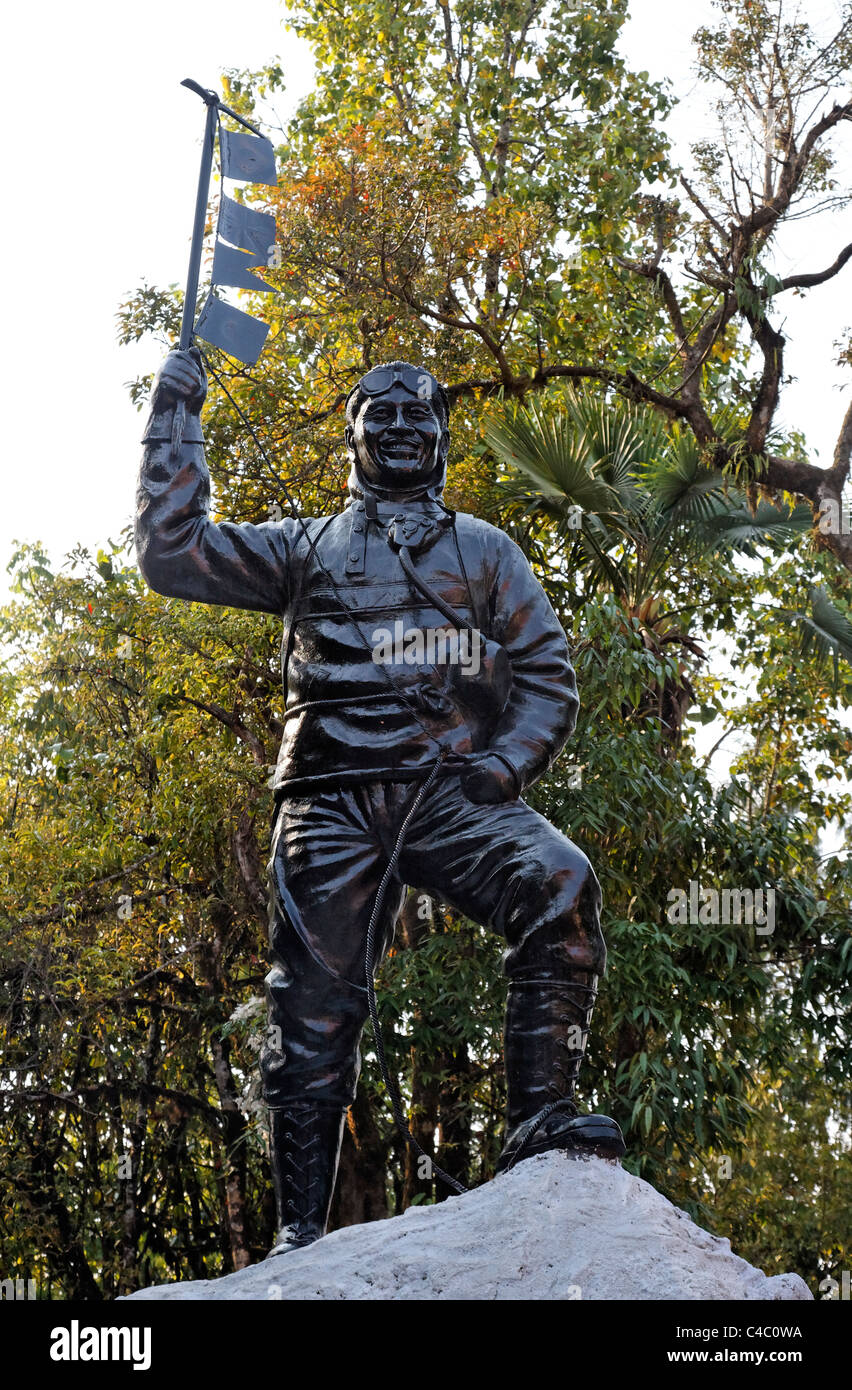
x,y
541,710
181,552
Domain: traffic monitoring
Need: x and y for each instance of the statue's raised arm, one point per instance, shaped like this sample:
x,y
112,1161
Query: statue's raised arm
x,y
181,552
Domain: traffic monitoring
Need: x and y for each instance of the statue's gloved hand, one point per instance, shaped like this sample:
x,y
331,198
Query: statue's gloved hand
x,y
181,378
489,780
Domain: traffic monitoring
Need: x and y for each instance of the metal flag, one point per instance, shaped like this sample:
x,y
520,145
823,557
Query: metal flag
x,y
243,226
230,329
232,267
249,157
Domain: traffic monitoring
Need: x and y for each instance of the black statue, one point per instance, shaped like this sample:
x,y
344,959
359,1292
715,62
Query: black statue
x,y
456,654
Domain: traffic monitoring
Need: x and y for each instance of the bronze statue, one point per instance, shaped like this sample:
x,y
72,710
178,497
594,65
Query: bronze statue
x,y
415,639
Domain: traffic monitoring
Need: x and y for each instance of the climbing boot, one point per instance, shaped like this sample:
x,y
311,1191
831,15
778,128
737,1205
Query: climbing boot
x,y
547,1027
304,1147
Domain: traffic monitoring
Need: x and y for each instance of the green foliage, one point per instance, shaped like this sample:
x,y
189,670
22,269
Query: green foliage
x,y
797,1160
130,931
828,630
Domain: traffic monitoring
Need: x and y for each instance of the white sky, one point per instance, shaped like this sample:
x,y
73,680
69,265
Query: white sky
x,y
100,167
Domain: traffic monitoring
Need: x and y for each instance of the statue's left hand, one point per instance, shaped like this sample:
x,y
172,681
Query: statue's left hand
x,y
488,781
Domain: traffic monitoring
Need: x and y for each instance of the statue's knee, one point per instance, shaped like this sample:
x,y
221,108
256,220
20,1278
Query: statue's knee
x,y
581,911
558,927
577,884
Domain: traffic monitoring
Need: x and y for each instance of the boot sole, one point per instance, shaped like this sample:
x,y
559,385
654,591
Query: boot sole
x,y
287,1246
593,1134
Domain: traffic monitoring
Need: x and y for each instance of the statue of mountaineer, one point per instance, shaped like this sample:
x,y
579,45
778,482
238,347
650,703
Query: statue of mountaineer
x,y
366,717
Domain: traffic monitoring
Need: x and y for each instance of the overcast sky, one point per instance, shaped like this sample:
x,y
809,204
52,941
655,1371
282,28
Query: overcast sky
x,y
100,166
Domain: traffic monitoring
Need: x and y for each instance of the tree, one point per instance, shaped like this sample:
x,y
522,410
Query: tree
x,y
770,161
627,502
428,189
134,917
471,184
787,1201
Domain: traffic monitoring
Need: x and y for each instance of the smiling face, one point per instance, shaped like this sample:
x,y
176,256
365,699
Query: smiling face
x,y
397,438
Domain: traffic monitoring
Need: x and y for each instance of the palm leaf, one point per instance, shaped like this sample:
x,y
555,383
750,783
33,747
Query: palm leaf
x,y
621,440
826,630
548,449
681,483
736,528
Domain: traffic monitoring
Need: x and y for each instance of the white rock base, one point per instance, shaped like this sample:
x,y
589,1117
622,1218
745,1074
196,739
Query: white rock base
x,y
553,1228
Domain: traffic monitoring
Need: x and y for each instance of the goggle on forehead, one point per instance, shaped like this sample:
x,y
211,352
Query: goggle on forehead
x,y
416,381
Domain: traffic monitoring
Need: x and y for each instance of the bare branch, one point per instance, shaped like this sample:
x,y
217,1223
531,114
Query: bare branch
x,y
818,278
232,722
702,208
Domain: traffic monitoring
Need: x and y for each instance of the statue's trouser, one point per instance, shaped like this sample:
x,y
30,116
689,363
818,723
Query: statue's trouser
x,y
504,866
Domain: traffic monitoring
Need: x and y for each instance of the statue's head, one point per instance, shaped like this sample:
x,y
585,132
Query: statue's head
x,y
397,427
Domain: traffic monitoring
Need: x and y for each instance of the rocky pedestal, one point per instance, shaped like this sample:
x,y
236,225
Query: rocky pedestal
x,y
552,1228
